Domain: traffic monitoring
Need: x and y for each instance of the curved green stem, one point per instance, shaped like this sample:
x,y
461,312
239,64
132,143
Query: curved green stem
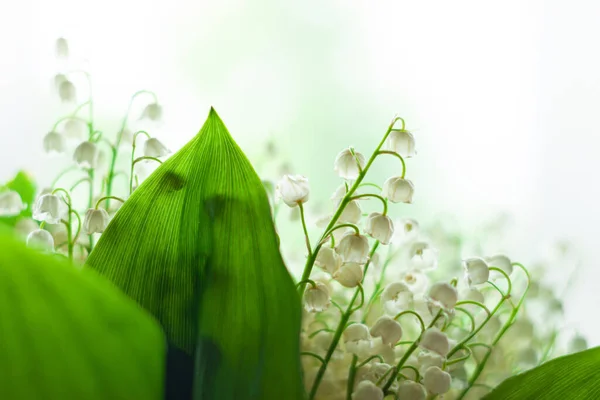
x,y
315,333
418,375
362,299
66,194
471,318
309,353
86,179
106,198
306,238
509,289
78,226
370,184
340,226
459,359
365,362
476,303
383,201
393,153
313,284
421,322
66,118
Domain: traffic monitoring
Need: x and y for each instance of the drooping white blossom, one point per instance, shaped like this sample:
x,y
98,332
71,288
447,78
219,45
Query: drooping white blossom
x,y
350,274
353,248
11,204
41,240
416,281
347,164
293,190
437,381
379,227
328,259
396,297
367,390
153,112
411,390
357,339
476,270
50,208
405,230
316,298
401,142
25,226
472,294
74,130
154,148
352,213
429,359
54,143
61,48
422,256
398,190
95,221
444,294
86,155
435,340
499,261
388,329
67,91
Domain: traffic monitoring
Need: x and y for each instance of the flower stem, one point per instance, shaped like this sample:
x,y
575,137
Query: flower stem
x,y
303,219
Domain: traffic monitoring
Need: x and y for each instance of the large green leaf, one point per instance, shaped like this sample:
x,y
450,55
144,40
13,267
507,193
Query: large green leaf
x,y
23,184
196,246
69,334
576,376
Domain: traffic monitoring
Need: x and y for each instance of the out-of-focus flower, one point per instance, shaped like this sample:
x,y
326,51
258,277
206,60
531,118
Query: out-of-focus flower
x,y
41,240
396,297
54,143
11,204
388,329
352,213
25,226
416,281
293,190
316,298
350,274
499,261
428,359
86,155
353,248
379,227
74,130
405,231
476,270
367,390
153,112
62,48
154,148
437,381
328,259
50,208
401,142
347,164
67,91
95,220
435,340
443,294
398,190
357,339
410,390
422,256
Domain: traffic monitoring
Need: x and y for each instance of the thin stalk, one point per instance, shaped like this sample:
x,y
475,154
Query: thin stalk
x,y
306,238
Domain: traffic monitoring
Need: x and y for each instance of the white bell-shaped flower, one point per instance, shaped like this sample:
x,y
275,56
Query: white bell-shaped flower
x,y
11,204
86,155
437,381
379,227
405,231
429,359
352,213
153,112
499,261
376,371
443,294
338,195
61,48
401,142
328,259
353,248
398,190
67,91
357,339
74,130
416,281
367,390
435,340
58,79
95,221
293,189
411,390
396,297
54,143
25,226
154,148
316,298
388,329
41,240
476,270
50,208
347,164
350,274
422,256
472,294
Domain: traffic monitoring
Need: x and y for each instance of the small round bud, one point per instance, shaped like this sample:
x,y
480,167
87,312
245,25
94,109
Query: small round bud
x,y
443,294
41,240
352,212
54,143
11,204
50,208
435,340
153,112
476,270
95,220
154,148
410,390
328,259
380,227
437,381
293,189
350,274
347,164
353,248
398,190
401,142
388,329
62,48
86,155
367,390
67,91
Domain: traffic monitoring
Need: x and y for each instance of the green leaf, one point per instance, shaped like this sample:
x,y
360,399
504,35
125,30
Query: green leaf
x,y
23,184
573,376
196,246
69,334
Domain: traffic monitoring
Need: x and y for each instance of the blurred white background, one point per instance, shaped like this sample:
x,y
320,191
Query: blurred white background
x,y
502,96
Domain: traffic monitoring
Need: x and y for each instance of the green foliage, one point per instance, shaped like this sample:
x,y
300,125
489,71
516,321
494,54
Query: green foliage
x,y
195,245
69,334
573,376
23,184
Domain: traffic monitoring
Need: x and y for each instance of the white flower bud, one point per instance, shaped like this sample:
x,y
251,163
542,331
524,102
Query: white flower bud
x,y
86,155
401,142
416,281
67,91
437,381
74,130
423,257
379,227
367,390
350,274
398,190
347,164
54,143
411,390
328,259
352,213
444,294
357,339
95,220
11,204
353,248
476,270
50,208
293,189
388,329
499,261
41,240
435,340
153,112
62,48
396,297
154,148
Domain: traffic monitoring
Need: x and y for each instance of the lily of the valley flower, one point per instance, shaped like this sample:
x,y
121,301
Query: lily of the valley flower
x,y
388,329
396,297
41,240
67,91
411,390
405,230
347,164
499,261
367,390
379,227
11,204
328,259
50,208
316,298
86,155
476,270
443,294
401,142
416,281
350,274
54,142
437,381
154,148
435,340
422,256
293,189
352,212
62,48
353,248
153,112
95,220
357,339
74,130
398,190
